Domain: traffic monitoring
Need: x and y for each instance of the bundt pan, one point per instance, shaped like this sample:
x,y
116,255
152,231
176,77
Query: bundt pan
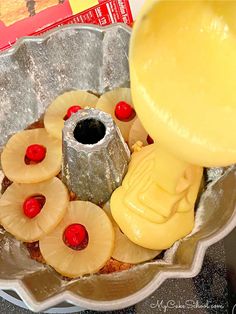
x,y
32,74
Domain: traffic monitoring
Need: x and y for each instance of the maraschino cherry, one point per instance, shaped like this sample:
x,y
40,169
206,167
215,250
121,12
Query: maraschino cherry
x,y
35,152
149,140
124,112
32,207
76,237
72,110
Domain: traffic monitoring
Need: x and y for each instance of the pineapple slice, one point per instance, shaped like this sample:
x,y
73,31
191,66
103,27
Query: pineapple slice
x,y
74,263
138,133
126,251
56,112
107,103
13,157
12,216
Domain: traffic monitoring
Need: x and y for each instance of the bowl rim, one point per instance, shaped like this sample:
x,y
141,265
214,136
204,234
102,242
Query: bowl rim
x,y
18,286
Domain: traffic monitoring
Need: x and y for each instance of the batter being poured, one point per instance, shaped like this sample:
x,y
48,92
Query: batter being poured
x,y
183,83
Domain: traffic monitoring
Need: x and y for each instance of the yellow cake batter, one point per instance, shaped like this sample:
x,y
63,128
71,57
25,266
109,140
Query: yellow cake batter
x,y
154,207
183,83
183,78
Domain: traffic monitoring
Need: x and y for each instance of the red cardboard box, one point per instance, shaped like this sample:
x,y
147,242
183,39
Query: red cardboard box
x,y
27,17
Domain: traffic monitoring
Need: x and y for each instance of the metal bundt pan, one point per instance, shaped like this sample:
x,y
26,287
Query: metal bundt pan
x,y
32,74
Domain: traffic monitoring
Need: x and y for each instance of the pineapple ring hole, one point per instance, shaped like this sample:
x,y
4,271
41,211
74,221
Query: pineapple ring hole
x,y
75,236
89,131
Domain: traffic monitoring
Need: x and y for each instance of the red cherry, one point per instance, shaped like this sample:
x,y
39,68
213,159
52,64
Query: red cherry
x,y
32,207
72,110
149,140
76,236
124,112
35,152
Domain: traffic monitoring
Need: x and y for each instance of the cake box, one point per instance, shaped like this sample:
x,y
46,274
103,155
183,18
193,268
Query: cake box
x,y
28,17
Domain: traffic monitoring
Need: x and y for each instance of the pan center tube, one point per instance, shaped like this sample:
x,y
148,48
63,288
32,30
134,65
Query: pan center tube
x,y
95,156
89,131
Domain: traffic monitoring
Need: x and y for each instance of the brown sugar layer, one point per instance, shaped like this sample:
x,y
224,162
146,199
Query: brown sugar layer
x,y
115,266
5,184
34,251
36,125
